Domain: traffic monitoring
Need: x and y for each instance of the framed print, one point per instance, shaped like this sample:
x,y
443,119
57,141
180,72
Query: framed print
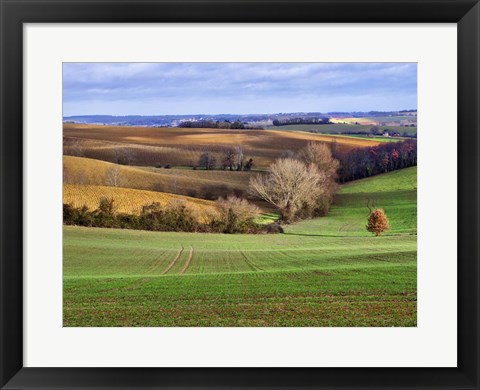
x,y
237,194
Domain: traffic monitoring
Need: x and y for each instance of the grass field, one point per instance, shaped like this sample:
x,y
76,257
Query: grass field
x,y
322,272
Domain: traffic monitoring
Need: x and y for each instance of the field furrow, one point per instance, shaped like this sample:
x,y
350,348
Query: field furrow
x,y
187,263
172,263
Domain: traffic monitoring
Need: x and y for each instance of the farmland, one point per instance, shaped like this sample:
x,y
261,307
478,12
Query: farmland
x,y
127,200
239,194
322,272
379,119
188,182
149,146
340,127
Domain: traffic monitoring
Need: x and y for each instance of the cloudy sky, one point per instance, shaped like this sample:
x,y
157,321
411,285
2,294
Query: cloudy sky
x,y
236,88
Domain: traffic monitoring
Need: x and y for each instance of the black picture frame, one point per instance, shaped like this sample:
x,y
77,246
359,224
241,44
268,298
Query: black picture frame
x,y
14,13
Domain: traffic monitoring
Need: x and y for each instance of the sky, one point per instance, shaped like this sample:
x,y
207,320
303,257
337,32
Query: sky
x,y
236,88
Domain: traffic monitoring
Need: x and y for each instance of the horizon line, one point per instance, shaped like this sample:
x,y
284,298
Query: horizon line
x,y
263,113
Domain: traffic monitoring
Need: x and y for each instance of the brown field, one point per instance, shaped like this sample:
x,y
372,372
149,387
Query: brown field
x,y
179,146
128,200
196,183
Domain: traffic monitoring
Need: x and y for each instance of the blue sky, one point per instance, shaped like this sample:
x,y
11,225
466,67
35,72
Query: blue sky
x,y
236,88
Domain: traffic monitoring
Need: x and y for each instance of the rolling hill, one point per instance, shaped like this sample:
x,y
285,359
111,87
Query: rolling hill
x,y
189,182
322,272
127,200
180,146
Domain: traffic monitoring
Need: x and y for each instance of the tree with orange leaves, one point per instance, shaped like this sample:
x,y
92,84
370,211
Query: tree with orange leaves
x,y
377,222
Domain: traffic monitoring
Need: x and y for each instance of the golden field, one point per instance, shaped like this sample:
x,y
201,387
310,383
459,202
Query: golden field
x,y
127,200
81,170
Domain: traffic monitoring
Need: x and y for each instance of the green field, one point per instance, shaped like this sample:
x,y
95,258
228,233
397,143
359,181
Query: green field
x,y
392,118
339,128
322,272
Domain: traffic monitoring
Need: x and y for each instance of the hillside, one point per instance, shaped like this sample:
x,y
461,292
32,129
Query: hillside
x,y
339,128
189,182
323,272
395,192
180,146
126,200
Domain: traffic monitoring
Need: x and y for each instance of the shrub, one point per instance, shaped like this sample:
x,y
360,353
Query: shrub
x,y
106,206
104,215
129,221
236,215
233,215
77,215
175,216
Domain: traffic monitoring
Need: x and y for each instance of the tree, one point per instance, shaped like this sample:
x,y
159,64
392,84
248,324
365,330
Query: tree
x,y
385,161
248,165
239,154
320,155
207,160
377,222
289,185
112,177
229,156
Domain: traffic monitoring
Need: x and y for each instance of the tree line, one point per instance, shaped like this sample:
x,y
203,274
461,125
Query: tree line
x,y
365,162
301,121
233,159
209,124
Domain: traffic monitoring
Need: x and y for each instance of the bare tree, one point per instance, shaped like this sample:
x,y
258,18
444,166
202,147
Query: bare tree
x,y
320,154
112,177
229,156
207,160
239,153
289,185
